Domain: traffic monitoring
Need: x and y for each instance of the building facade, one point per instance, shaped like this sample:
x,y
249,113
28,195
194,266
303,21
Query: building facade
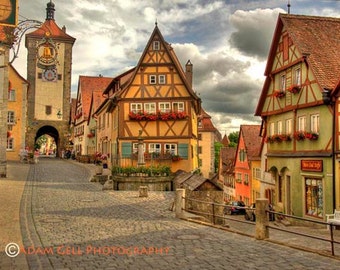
x,y
16,114
49,71
298,121
156,108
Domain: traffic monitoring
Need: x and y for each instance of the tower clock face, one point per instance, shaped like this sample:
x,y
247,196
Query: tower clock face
x,y
5,9
50,75
47,53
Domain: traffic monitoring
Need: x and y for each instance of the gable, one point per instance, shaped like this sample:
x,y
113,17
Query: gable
x,y
301,63
158,73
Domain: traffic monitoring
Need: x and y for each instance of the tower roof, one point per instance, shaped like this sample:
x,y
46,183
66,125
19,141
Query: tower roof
x,y
50,29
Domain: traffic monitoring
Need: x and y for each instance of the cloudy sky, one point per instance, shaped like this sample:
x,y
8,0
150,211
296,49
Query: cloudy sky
x,y
227,42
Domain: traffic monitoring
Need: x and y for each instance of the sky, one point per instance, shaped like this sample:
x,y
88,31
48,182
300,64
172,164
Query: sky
x,y
226,41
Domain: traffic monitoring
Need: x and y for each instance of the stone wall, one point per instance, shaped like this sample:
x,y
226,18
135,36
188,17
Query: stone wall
x,y
204,203
160,183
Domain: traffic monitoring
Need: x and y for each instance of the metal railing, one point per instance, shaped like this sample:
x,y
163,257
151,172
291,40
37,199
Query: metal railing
x,y
215,209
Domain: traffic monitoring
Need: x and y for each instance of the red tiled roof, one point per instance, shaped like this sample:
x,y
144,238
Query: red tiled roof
x,y
206,123
320,38
49,26
227,155
86,86
225,141
316,37
252,140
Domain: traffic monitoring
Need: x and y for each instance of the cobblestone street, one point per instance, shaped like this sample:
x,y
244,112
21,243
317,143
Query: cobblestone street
x,y
70,223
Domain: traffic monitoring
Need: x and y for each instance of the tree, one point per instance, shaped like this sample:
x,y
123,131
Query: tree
x,y
218,146
233,139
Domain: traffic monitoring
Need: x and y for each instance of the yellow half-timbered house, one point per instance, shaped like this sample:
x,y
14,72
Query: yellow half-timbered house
x,y
156,108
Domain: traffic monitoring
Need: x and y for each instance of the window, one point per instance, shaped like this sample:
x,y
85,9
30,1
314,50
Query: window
x,y
313,197
10,144
242,155
164,106
238,177
152,79
10,118
279,127
178,106
297,76
271,129
283,83
289,126
171,148
161,79
48,109
314,123
136,107
154,148
257,173
150,107
200,136
11,95
200,149
302,123
246,179
135,148
156,45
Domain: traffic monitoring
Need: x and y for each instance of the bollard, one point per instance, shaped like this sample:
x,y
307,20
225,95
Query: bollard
x,y
180,203
143,191
261,229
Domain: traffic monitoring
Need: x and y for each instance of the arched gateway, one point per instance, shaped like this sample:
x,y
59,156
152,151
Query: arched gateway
x,y
49,62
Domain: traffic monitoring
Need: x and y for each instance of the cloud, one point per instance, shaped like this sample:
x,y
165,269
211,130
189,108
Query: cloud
x,y
253,31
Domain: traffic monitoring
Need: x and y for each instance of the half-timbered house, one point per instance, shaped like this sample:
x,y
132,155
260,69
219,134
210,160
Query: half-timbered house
x,y
155,112
302,68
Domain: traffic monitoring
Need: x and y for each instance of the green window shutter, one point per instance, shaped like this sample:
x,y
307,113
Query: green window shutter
x,y
183,150
126,149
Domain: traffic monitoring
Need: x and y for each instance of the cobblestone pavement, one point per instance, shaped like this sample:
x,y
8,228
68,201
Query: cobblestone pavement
x,y
70,223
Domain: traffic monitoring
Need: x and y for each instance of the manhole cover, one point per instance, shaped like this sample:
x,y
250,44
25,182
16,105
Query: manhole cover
x,y
189,237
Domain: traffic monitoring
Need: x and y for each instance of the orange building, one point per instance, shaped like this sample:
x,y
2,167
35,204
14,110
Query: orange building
x,y
247,160
156,109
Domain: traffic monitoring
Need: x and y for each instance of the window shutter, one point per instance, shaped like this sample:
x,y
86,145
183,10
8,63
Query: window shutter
x,y
126,149
183,150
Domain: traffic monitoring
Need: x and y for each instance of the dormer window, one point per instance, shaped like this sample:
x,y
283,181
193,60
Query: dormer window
x,y
156,45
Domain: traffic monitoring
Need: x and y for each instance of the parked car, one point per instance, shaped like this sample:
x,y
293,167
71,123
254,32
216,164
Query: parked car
x,y
235,207
250,213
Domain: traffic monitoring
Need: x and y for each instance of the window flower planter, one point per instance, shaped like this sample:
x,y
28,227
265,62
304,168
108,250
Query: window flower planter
x,y
176,158
90,135
299,135
313,136
163,116
279,93
278,138
294,89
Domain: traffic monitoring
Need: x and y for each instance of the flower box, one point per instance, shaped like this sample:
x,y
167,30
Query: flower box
x,y
294,89
279,93
163,116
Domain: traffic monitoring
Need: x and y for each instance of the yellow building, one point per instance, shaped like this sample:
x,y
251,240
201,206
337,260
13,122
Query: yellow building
x,y
16,115
156,109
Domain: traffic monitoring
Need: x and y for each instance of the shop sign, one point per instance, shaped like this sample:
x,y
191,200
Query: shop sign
x,y
311,165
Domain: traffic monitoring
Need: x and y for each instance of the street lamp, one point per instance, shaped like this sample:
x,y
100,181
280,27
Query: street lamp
x,y
59,115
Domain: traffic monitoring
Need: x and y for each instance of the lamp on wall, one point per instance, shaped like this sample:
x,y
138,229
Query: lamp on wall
x,y
59,115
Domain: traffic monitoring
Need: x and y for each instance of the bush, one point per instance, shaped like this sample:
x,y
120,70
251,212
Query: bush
x,y
137,171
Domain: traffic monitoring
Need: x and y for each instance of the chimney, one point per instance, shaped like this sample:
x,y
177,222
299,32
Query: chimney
x,y
188,72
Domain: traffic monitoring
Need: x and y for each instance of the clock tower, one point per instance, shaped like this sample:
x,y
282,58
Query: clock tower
x,y
49,66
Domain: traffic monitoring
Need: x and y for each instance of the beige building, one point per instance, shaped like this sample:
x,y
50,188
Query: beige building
x,y
16,114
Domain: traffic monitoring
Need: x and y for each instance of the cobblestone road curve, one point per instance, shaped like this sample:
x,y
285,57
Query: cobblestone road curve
x,y
70,223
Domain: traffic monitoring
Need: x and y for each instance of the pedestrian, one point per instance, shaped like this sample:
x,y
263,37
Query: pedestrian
x,y
36,156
